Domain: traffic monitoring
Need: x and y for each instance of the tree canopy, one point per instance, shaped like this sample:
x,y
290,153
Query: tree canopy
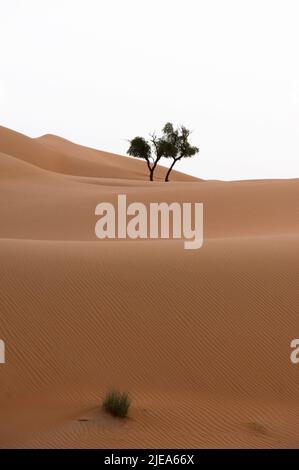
x,y
173,143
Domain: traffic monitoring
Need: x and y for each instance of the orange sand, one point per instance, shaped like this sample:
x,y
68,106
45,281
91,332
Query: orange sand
x,y
199,338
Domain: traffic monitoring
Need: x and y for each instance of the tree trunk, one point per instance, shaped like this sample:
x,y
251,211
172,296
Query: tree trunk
x,y
170,170
153,168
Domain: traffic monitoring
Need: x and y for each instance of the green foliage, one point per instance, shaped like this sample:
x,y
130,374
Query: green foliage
x,y
185,148
165,148
117,403
179,140
139,148
173,143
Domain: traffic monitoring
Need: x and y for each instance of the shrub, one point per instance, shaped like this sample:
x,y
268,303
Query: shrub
x,y
117,403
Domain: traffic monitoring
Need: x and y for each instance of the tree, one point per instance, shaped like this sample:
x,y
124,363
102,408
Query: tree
x,y
178,139
140,148
173,144
151,151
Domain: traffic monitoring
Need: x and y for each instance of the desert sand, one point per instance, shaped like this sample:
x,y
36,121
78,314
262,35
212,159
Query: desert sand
x,y
200,339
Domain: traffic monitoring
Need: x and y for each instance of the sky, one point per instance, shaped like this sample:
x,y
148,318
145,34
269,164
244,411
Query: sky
x,y
99,72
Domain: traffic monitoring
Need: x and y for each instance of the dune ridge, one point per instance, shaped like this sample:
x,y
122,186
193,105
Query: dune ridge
x,y
62,156
200,339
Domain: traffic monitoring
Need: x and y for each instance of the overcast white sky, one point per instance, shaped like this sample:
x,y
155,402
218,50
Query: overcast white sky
x,y
101,71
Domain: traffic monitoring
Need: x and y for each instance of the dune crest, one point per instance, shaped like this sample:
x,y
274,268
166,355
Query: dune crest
x,y
62,156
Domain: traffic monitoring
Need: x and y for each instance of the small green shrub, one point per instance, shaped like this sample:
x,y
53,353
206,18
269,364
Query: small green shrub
x,y
117,403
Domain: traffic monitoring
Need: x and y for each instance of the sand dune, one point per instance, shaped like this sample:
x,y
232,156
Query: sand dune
x,y
61,156
200,339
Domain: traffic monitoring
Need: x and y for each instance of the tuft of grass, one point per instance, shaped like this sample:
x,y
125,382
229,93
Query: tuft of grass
x,y
117,403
